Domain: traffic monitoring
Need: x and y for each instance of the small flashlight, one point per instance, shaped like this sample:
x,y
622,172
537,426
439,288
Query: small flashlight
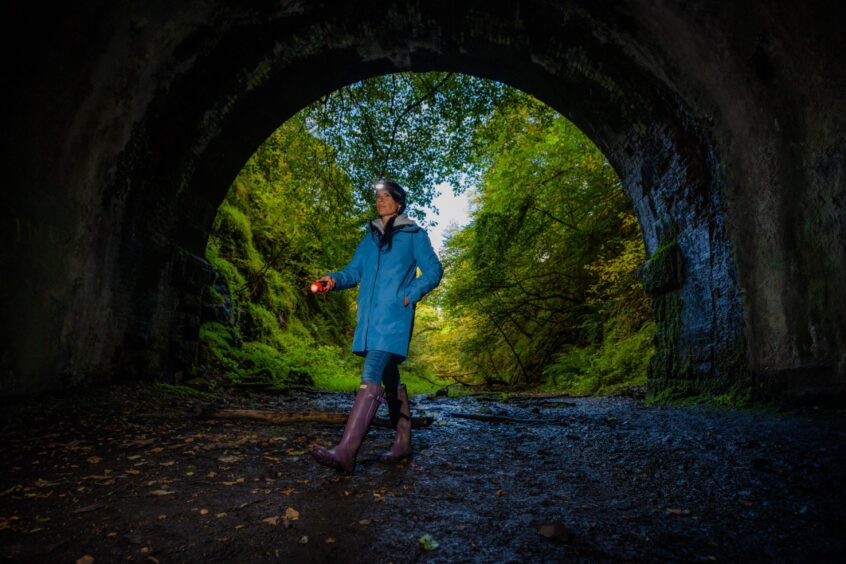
x,y
318,286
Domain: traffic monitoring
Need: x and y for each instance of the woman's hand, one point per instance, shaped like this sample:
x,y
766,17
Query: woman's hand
x,y
329,282
406,301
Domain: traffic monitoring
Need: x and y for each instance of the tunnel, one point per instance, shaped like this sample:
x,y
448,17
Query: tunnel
x,y
725,121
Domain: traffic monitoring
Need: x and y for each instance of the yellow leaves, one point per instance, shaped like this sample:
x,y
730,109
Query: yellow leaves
x,y
292,514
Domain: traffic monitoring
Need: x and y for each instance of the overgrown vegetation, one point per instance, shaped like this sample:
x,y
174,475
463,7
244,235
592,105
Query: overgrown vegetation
x,y
541,288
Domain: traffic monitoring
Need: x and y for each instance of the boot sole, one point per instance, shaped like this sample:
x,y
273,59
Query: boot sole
x,y
328,460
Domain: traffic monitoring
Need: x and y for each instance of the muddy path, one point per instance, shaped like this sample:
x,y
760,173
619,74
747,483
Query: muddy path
x,y
134,474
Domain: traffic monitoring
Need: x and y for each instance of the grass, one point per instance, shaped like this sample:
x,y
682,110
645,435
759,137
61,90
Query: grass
x,y
414,382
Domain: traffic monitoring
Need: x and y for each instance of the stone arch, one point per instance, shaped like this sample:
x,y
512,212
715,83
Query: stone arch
x,y
173,101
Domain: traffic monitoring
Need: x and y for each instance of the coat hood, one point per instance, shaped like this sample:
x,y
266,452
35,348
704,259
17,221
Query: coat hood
x,y
402,220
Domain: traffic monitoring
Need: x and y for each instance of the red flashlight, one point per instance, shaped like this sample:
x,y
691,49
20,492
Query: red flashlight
x,y
318,287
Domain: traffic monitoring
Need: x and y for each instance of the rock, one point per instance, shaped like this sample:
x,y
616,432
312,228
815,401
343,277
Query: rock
x,y
555,532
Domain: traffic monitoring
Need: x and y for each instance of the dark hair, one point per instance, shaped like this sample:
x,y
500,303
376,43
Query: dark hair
x,y
399,196
396,191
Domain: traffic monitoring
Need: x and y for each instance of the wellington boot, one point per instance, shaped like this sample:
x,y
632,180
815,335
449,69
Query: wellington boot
x,y
400,414
367,401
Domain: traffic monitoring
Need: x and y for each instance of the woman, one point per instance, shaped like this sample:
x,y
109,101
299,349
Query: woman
x,y
385,265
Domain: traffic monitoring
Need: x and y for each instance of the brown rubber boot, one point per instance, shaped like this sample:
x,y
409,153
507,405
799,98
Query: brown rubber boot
x,y
400,414
367,401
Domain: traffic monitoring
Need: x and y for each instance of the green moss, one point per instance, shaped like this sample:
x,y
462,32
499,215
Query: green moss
x,y
215,296
664,271
178,390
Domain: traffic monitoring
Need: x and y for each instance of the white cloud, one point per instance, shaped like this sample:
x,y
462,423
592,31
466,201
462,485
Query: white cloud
x,y
454,210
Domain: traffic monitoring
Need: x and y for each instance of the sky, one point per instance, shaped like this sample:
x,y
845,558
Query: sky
x,y
453,210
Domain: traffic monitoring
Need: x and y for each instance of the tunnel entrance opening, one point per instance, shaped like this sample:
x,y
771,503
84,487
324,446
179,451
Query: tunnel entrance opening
x,y
541,285
163,108
668,169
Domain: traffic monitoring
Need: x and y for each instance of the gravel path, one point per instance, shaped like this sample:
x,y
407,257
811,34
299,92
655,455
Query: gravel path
x,y
129,473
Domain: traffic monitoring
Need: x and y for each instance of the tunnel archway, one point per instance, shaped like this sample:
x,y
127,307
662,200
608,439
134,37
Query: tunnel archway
x,y
104,277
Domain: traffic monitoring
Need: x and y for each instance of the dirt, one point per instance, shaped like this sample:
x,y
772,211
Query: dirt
x,y
131,473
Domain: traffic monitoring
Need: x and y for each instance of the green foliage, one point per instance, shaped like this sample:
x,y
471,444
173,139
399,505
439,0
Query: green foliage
x,y
415,128
545,276
541,289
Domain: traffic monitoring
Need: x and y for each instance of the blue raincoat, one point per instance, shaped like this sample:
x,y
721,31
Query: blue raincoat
x,y
386,277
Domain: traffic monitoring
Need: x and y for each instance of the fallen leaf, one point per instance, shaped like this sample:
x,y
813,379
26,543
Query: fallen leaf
x,y
292,514
500,493
329,540
204,511
287,491
428,542
271,520
674,511
303,539
88,508
87,559
161,492
229,459
168,463
94,459
39,483
162,517
221,514
364,522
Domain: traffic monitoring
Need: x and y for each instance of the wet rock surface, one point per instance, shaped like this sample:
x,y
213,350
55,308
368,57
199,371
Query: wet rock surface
x,y
132,473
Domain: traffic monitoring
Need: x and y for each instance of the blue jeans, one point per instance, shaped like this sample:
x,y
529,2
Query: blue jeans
x,y
381,367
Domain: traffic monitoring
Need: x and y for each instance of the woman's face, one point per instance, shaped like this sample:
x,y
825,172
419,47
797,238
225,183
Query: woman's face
x,y
385,204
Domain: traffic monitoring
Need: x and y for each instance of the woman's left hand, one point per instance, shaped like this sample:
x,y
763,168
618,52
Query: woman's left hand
x,y
405,299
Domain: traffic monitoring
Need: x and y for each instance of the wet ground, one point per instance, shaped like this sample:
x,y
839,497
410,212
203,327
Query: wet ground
x,y
134,474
